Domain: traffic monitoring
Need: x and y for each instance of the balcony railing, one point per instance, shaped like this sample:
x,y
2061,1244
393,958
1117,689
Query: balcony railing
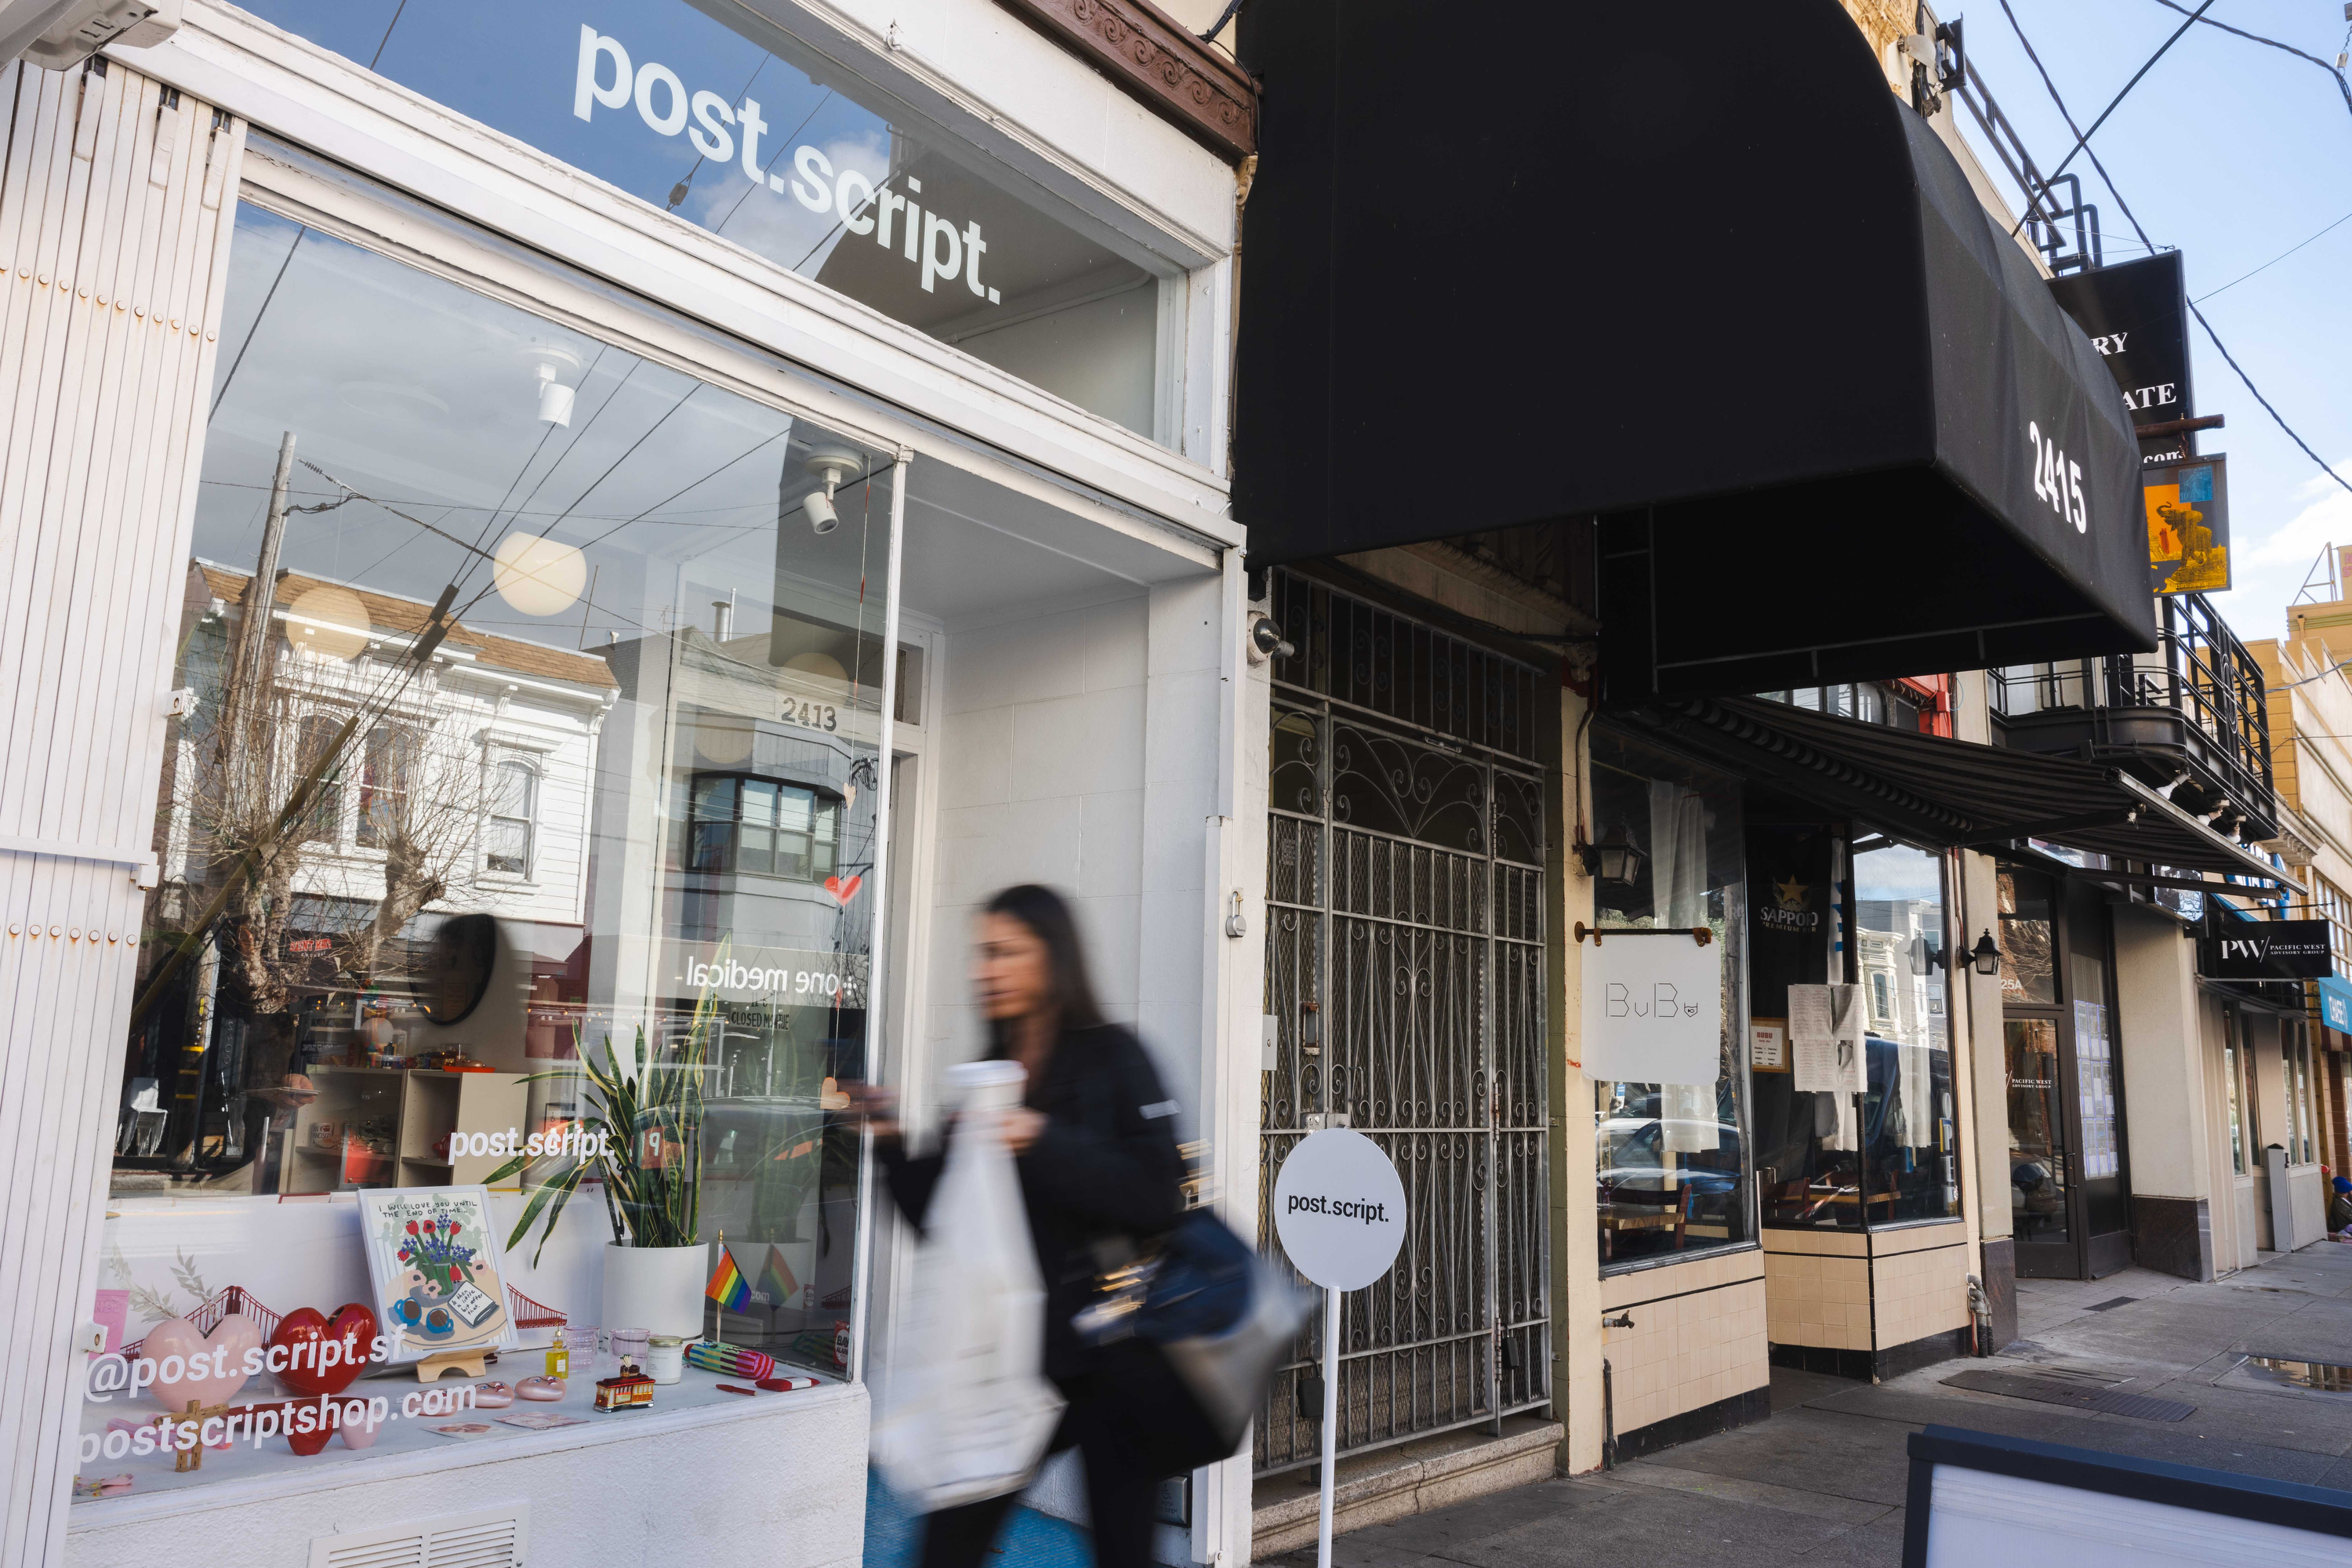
x,y
2192,714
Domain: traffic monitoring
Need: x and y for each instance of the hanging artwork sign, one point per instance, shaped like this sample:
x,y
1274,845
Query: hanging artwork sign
x,y
1652,1008
2187,508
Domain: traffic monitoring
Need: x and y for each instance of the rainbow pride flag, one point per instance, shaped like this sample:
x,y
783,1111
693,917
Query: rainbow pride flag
x,y
777,1279
728,1287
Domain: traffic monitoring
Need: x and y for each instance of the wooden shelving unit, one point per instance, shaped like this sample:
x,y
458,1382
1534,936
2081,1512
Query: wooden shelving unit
x,y
415,1113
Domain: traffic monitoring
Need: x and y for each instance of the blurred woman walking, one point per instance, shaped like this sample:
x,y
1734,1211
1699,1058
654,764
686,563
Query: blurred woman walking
x,y
1100,1176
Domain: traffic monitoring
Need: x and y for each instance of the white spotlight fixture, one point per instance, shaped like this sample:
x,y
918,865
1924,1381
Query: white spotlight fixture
x,y
553,367
832,467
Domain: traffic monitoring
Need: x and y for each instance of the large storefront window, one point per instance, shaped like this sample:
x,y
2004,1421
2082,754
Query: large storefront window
x,y
517,907
1889,1155
1672,1159
713,112
1908,1122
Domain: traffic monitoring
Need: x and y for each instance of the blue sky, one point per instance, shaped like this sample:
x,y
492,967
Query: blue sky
x,y
2232,153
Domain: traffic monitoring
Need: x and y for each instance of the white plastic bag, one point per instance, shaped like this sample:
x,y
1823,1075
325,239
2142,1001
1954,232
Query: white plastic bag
x,y
967,1411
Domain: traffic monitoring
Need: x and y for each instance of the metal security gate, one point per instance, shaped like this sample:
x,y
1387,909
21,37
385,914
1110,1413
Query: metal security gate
x,y
1405,983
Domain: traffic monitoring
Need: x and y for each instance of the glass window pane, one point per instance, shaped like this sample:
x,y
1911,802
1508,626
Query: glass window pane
x,y
1671,1160
759,851
714,799
322,1064
1908,1117
2037,1131
2028,972
786,154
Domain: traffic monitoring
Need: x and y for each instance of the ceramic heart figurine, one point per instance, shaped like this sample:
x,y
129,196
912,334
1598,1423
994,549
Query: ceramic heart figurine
x,y
353,1327
175,1347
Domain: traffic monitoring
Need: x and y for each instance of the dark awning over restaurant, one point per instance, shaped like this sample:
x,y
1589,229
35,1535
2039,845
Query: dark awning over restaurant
x,y
1694,270
1945,794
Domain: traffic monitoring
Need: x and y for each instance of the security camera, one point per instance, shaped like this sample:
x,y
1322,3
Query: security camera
x,y
832,467
1265,639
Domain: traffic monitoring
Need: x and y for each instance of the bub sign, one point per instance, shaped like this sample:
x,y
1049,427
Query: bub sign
x,y
1339,1208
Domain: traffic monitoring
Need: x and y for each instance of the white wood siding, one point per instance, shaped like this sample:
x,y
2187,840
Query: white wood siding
x,y
112,262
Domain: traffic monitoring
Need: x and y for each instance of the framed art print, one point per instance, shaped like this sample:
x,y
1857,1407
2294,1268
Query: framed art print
x,y
432,1258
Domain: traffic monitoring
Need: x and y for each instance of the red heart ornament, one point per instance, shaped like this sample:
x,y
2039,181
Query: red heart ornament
x,y
353,1327
843,891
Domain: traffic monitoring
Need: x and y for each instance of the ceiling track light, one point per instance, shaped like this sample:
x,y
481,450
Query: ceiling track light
x,y
832,465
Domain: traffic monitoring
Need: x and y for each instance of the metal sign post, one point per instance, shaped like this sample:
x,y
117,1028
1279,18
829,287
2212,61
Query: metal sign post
x,y
1339,1208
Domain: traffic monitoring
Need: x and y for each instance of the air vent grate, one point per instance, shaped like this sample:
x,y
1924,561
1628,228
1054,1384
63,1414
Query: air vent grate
x,y
491,1538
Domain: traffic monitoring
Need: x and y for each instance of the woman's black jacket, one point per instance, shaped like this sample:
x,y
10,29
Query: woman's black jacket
x,y
1106,1167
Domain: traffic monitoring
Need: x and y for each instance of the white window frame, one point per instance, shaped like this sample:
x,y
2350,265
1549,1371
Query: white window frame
x,y
535,770
293,89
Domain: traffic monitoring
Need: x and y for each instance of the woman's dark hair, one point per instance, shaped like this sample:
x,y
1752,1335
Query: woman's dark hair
x,y
1048,918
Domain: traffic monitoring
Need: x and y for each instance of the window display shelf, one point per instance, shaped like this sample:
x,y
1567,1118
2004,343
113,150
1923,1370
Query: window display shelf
x,y
413,1437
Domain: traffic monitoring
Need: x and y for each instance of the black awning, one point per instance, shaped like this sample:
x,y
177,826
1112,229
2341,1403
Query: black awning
x,y
1945,794
1696,270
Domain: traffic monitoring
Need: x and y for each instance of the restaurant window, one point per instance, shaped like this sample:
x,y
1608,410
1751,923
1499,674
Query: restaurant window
x,y
1908,1125
719,116
492,1097
1672,1159
1827,1158
514,804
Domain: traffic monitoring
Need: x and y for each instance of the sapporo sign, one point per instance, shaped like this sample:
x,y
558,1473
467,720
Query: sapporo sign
x,y
2268,950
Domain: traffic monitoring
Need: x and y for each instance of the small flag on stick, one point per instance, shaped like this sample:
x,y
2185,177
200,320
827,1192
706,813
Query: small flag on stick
x,y
728,1287
776,1278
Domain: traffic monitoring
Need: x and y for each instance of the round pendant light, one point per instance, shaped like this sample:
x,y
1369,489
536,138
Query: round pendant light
x,y
539,576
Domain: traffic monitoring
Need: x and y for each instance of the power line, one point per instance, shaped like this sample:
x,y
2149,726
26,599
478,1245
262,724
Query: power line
x,y
2125,207
2275,260
2084,140
2341,85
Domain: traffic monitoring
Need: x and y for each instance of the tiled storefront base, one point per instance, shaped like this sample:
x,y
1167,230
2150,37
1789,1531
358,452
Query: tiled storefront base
x,y
1696,1343
1866,1304
1722,1415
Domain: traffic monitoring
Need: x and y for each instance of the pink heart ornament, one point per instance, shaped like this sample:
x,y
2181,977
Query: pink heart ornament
x,y
843,891
223,1359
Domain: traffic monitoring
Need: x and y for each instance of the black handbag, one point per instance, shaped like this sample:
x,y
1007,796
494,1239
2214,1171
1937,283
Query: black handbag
x,y
1189,1337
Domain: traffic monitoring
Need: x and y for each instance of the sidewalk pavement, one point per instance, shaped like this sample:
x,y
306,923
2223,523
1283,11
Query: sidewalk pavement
x,y
1821,1483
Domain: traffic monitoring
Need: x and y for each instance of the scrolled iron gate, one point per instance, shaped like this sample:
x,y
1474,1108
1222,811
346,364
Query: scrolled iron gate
x,y
1405,979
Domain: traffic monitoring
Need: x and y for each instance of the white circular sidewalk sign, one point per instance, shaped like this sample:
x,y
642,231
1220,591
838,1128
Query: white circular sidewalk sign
x,y
1339,1208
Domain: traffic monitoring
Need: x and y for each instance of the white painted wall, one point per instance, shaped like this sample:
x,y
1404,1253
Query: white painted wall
x,y
779,1481
1040,774
2162,1050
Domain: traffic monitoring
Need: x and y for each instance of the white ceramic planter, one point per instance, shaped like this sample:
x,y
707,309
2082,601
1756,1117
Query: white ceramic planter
x,y
656,1288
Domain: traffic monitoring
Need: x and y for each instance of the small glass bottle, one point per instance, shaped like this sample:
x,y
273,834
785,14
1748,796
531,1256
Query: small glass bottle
x,y
559,1359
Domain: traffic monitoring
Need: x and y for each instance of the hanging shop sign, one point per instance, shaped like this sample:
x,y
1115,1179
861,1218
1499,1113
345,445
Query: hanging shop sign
x,y
2136,316
2187,509
2335,1003
2268,950
1653,1006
